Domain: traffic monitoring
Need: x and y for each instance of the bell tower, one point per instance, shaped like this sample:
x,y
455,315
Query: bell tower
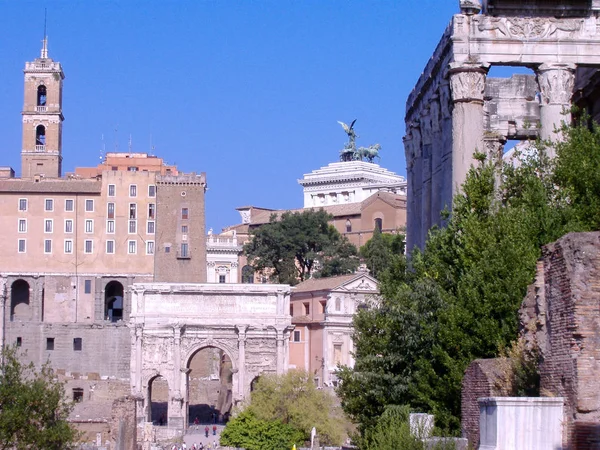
x,y
41,153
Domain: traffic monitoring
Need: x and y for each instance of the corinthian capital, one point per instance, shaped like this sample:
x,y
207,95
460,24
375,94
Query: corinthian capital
x,y
556,83
467,82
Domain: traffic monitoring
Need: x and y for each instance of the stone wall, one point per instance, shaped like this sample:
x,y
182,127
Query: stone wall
x,y
123,424
483,378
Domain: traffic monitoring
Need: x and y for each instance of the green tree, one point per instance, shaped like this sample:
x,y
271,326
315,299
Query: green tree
x,y
33,410
380,251
248,432
292,247
458,299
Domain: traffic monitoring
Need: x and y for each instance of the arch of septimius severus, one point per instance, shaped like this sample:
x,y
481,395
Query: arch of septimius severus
x,y
455,109
170,323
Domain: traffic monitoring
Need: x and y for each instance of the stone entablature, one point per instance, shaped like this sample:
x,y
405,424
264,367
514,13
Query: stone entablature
x,y
171,322
348,182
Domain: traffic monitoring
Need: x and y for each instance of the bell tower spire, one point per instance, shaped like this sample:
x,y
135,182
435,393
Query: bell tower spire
x,y
41,150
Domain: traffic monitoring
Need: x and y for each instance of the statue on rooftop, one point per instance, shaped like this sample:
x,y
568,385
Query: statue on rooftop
x,y
351,153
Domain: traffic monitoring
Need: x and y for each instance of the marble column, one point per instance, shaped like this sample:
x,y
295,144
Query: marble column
x,y
467,85
176,413
556,83
408,152
436,160
494,149
280,351
241,374
427,144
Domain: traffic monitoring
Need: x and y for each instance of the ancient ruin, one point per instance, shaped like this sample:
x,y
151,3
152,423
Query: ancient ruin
x,y
248,326
455,110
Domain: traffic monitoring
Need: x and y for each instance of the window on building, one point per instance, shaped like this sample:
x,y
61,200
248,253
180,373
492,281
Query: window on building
x,y
296,336
77,344
222,279
88,246
167,249
323,307
68,246
77,395
41,95
132,169
132,211
348,226
184,251
292,309
48,225
22,225
379,224
48,246
151,191
22,204
133,190
40,137
49,205
338,304
151,210
110,247
306,309
184,213
21,246
114,168
150,227
110,210
337,354
132,247
111,189
110,226
68,226
69,205
19,342
49,343
247,274
89,226
184,229
132,226
149,247
89,205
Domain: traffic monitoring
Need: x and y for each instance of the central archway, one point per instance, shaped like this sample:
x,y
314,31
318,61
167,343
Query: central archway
x,y
210,386
113,301
158,407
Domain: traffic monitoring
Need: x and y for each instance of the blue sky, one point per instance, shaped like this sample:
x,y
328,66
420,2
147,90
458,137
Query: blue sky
x,y
249,92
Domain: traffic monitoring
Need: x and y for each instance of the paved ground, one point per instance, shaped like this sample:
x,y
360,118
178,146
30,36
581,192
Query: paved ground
x,y
198,436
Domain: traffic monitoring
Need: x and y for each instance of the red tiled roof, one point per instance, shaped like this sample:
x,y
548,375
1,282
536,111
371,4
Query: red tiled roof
x,y
323,284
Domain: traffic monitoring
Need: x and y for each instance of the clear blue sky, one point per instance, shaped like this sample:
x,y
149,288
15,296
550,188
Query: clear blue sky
x,y
249,92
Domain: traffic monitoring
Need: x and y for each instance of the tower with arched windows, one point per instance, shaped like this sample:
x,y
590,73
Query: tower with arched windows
x,y
41,153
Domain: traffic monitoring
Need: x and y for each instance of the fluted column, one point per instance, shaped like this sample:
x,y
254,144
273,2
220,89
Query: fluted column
x,y
556,83
467,85
427,143
241,329
176,413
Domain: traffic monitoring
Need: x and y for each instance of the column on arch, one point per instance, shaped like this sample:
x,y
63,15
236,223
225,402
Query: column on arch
x,y
241,365
426,170
467,85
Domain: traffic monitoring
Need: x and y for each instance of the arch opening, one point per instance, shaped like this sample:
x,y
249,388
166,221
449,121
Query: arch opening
x,y
113,301
40,135
210,386
247,274
41,95
19,301
158,401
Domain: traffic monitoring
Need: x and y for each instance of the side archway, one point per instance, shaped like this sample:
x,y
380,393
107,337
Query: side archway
x,y
20,308
113,301
158,400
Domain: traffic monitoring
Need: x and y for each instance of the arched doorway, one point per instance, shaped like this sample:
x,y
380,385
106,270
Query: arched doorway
x,y
113,301
210,384
19,301
158,395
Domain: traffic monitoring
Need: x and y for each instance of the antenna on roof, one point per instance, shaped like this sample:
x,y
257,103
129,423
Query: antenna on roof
x,y
151,146
44,53
103,149
116,139
130,144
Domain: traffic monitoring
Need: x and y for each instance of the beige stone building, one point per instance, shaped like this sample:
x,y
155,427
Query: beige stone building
x,y
73,245
322,310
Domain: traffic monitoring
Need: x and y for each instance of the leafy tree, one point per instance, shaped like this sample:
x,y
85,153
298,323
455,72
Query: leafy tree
x,y
292,247
249,432
294,399
458,299
379,251
33,410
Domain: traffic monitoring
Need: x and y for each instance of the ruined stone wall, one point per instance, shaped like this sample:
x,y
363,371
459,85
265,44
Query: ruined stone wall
x,y
561,314
483,378
123,424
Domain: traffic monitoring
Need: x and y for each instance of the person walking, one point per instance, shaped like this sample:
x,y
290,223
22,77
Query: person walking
x,y
206,430
214,430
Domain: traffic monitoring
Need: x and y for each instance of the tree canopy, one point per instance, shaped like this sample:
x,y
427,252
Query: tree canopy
x,y
291,400
298,245
380,251
458,299
33,410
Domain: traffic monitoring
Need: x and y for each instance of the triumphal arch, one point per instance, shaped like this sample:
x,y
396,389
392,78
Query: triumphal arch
x,y
248,324
455,110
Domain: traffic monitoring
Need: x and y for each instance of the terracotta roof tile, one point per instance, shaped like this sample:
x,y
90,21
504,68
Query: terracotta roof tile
x,y
51,186
323,284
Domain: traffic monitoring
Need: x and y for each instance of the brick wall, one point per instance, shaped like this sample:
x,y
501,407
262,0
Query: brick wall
x,y
483,378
